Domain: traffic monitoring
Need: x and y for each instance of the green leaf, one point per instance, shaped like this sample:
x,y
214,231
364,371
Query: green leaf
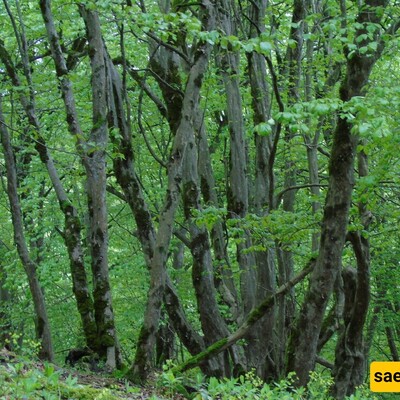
x,y
265,47
263,129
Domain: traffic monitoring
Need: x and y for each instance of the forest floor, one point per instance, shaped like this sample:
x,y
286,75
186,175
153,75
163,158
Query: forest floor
x,y
21,378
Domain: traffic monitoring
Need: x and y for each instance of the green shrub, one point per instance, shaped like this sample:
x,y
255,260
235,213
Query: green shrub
x,y
23,381
251,387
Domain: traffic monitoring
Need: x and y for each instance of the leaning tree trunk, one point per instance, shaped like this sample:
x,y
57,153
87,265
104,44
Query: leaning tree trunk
x,y
248,324
304,339
143,361
72,224
41,318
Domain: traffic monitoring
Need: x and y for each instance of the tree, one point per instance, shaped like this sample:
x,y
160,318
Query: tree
x,y
334,227
215,149
42,324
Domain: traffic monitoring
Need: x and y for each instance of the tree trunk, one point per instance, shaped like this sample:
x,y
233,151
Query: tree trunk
x,y
72,226
261,338
126,176
41,319
238,186
94,162
5,315
254,316
304,339
224,281
140,368
100,332
293,70
350,362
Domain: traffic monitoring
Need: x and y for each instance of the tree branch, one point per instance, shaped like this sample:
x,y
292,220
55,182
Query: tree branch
x,y
255,315
308,185
277,131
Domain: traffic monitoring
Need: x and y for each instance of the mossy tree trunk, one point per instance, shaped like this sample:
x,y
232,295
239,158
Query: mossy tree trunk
x,y
97,317
260,340
43,331
72,227
304,339
94,161
254,316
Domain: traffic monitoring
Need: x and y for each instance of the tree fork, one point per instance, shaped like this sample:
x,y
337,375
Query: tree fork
x,y
254,316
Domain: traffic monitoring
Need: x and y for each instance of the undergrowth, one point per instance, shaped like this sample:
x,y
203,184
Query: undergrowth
x,y
23,379
250,387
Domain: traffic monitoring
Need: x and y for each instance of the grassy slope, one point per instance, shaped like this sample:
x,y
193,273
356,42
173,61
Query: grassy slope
x,y
25,379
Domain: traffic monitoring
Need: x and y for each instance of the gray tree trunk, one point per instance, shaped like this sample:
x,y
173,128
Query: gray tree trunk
x,y
304,339
264,348
43,331
72,227
93,159
350,366
5,302
127,178
181,147
223,277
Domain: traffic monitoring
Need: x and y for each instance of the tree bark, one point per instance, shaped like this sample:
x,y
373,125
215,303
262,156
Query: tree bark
x,y
238,186
304,339
72,224
254,316
292,69
350,362
43,331
5,308
223,278
94,161
126,175
142,363
100,331
261,338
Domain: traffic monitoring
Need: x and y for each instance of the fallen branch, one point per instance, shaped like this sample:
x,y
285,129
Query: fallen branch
x,y
255,315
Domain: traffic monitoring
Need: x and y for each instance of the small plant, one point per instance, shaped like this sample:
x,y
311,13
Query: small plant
x,y
250,387
29,381
319,385
171,383
25,347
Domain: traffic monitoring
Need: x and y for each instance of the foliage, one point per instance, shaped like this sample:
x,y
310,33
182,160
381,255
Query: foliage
x,y
250,387
142,39
21,380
